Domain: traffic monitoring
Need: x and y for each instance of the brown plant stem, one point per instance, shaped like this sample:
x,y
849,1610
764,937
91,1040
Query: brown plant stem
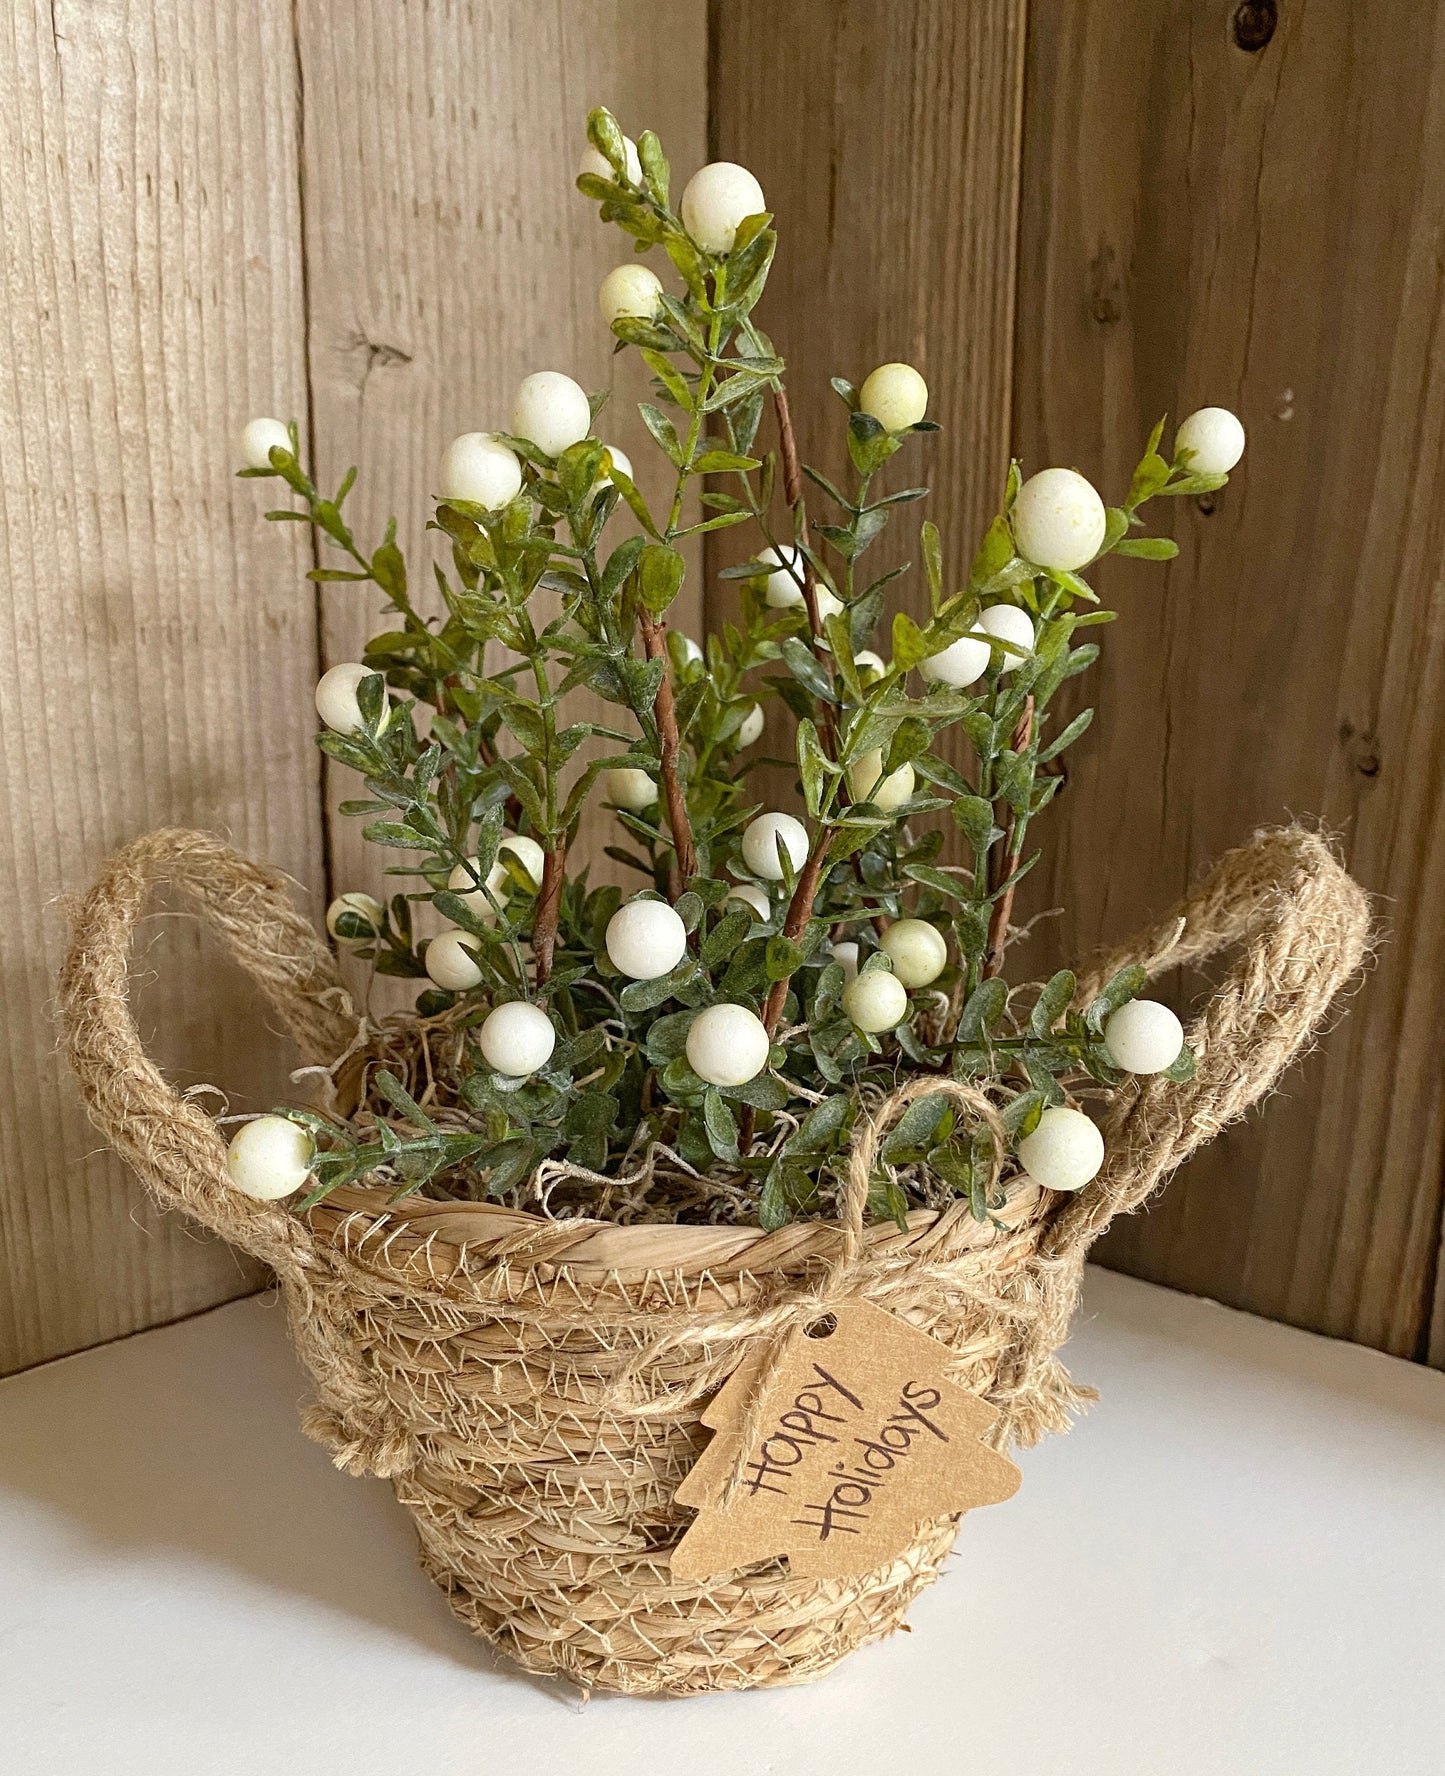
x,y
654,645
800,910
795,923
1004,906
549,907
787,448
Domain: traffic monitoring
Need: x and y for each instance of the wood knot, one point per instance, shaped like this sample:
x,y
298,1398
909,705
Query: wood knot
x,y
1362,749
1254,24
1106,291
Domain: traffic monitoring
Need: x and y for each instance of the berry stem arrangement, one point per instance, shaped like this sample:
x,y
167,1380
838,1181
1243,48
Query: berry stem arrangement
x,y
700,1045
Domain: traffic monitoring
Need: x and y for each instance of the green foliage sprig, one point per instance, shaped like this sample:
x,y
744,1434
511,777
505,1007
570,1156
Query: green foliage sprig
x,y
462,757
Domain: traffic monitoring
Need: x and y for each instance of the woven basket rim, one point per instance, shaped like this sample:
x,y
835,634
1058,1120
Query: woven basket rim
x,y
358,1219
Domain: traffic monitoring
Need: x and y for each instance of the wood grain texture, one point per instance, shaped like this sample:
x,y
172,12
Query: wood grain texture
x,y
155,652
1265,231
886,140
449,254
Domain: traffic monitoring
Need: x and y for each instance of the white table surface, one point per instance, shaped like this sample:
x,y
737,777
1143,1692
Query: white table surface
x,y
1234,1565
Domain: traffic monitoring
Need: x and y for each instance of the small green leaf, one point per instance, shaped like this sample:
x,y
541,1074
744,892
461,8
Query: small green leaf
x,y
782,958
803,663
983,1012
1148,548
1053,1001
917,1126
1183,1067
1127,984
663,431
773,1208
909,645
955,887
1021,1115
721,1125
821,1125
974,818
660,573
933,560
1066,737
722,462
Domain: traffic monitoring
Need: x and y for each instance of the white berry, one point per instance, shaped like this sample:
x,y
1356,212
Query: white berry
x,y
1215,436
646,939
866,780
959,664
750,728
869,664
917,950
755,899
551,411
896,396
1143,1037
451,961
727,1045
1064,1152
760,845
845,954
1058,520
595,161
784,591
269,1158
528,853
629,292
630,788
480,469
336,701
715,200
619,460
784,586
876,1001
1009,623
517,1038
260,438
691,652
463,881
354,918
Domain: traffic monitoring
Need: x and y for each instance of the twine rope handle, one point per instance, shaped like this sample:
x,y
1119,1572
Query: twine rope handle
x,y
1306,927
174,1146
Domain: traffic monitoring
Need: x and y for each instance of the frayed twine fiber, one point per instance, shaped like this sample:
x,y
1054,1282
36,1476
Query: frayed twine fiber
x,y
533,1388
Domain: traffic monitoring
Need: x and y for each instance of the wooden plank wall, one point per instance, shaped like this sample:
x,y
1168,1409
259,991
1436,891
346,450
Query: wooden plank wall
x,y
1216,214
353,211
1214,206
1071,217
156,648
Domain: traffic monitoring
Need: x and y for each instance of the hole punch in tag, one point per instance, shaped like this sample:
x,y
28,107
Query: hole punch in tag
x,y
860,1441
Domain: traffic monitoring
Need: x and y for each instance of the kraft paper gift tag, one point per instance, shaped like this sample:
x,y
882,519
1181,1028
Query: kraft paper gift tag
x,y
860,1441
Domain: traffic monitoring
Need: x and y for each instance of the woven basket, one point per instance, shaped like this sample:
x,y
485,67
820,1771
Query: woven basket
x,y
533,1388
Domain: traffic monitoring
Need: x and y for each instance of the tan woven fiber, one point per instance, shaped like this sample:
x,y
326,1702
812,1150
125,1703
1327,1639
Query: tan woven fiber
x,y
533,1388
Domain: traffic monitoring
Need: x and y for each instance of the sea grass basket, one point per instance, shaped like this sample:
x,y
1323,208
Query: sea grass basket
x,y
533,1388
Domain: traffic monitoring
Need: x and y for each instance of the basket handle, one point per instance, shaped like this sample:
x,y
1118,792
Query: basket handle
x,y
1307,929
174,1146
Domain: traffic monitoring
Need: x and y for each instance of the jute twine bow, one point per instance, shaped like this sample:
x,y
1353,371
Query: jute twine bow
x,y
794,1309
846,1272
